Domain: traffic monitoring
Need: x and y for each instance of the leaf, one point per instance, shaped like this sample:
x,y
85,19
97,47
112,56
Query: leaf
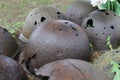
x,y
116,78
102,6
115,64
108,43
91,46
118,1
108,38
111,5
88,26
105,6
116,70
117,8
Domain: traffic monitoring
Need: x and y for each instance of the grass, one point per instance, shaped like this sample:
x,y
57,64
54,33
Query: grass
x,y
14,12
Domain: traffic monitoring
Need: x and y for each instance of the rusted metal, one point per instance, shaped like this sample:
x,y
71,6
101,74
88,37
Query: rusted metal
x,y
11,70
78,10
56,40
8,45
101,25
38,16
70,69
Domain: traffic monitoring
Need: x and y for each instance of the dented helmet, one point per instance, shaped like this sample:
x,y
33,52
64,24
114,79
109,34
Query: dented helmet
x,y
39,16
56,40
11,70
70,69
78,10
103,29
8,45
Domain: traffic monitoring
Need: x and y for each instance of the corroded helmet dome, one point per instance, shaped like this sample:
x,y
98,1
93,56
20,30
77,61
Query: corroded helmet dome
x,y
78,10
70,69
103,29
8,45
39,16
11,70
59,39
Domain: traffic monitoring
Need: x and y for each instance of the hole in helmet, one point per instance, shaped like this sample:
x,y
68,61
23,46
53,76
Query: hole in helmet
x,y
74,29
114,14
58,12
76,34
89,24
102,10
22,61
112,27
60,29
104,27
43,77
35,23
66,22
58,16
107,13
96,34
27,63
117,51
33,56
43,19
103,33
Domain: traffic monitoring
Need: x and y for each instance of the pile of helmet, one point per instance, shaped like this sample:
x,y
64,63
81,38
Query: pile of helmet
x,y
58,44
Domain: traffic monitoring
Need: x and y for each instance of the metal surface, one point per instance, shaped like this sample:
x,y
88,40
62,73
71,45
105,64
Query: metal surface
x,y
11,70
70,69
78,10
8,45
100,25
39,16
56,40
